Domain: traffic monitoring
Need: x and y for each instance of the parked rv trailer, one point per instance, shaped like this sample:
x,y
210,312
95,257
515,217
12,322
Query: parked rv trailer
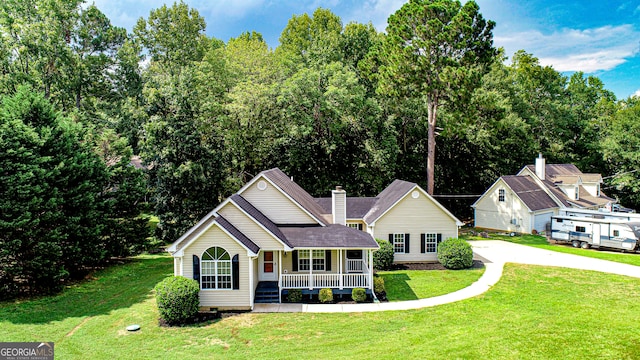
x,y
590,232
600,214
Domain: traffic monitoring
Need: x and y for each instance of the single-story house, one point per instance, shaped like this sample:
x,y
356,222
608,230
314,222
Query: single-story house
x,y
526,201
272,236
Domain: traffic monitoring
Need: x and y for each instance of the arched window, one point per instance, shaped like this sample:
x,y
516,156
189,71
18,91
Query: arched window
x,y
215,269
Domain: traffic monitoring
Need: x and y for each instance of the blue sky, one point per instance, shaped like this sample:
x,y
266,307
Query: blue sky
x,y
600,38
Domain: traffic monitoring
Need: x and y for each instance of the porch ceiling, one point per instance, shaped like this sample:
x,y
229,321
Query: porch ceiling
x,y
331,236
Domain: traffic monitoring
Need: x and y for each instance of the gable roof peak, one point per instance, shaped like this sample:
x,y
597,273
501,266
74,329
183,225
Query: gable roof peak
x,y
295,192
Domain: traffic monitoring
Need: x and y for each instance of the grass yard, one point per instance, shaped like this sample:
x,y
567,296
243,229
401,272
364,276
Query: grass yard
x,y
421,284
541,242
533,313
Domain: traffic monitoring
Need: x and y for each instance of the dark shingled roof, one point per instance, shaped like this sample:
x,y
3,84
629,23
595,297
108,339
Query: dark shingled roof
x,y
554,172
330,236
587,200
529,192
387,198
259,217
557,193
560,174
298,194
357,207
237,234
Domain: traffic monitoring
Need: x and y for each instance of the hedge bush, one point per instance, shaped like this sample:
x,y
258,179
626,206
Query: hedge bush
x,y
455,254
379,288
325,295
359,294
383,257
177,299
294,295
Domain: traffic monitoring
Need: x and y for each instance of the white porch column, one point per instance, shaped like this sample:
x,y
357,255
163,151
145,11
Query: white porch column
x,y
371,268
251,283
340,279
311,269
279,276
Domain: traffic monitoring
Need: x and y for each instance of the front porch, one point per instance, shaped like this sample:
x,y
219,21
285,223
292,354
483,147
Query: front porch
x,y
313,269
354,270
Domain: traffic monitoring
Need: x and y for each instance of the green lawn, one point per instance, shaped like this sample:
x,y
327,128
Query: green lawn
x,y
533,313
421,284
541,242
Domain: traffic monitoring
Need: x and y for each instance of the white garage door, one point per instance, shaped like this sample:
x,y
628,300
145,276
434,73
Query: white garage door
x,y
540,221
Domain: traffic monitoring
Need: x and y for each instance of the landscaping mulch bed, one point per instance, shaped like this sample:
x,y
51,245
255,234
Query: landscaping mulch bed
x,y
477,264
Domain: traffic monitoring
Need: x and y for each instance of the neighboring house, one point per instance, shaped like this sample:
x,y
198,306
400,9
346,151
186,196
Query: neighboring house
x,y
525,202
272,236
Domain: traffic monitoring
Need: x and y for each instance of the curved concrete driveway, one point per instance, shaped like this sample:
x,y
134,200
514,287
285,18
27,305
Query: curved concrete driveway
x,y
494,253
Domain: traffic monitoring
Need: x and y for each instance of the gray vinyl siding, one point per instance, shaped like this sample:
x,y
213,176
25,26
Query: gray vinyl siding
x,y
415,217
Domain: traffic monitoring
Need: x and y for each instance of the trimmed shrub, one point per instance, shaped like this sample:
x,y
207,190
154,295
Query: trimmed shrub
x,y
378,288
383,258
359,294
177,299
294,295
325,295
455,254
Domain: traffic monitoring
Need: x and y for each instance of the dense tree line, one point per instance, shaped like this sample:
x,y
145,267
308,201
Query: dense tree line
x,y
332,104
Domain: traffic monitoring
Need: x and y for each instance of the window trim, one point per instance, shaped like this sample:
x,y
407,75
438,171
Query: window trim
x,y
502,195
303,254
215,261
399,239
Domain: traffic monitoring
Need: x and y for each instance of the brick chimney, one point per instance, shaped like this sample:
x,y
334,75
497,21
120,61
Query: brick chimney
x,y
540,167
339,206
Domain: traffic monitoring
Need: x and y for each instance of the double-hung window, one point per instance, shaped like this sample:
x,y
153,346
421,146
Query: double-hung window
x,y
431,243
398,243
501,195
305,262
216,269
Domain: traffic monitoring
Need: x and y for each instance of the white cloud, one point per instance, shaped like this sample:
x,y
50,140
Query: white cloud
x,y
375,11
227,9
636,94
588,50
125,13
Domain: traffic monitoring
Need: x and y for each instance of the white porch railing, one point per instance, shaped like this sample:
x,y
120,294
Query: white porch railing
x,y
355,265
355,280
302,281
293,281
